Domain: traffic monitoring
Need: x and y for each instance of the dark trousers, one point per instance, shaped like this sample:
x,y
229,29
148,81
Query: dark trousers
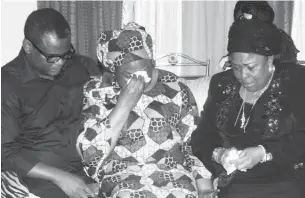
x,y
299,176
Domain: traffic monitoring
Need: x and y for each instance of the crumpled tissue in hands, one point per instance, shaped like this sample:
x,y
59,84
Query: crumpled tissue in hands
x,y
143,74
232,154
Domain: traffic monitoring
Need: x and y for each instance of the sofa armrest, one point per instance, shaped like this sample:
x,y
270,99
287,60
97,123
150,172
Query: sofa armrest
x,y
200,89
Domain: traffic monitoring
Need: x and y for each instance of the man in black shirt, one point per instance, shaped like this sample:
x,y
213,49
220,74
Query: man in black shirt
x,y
41,104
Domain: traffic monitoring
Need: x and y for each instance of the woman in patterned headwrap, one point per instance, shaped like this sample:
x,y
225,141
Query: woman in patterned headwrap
x,y
252,130
139,120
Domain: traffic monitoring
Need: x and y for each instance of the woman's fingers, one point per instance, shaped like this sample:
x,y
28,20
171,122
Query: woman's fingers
x,y
95,187
80,193
133,81
243,163
88,191
242,154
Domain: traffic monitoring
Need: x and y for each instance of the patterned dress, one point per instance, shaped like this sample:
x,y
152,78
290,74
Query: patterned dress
x,y
152,157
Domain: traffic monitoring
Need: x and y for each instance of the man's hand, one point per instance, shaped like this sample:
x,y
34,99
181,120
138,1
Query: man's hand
x,y
206,188
211,194
73,186
94,187
249,157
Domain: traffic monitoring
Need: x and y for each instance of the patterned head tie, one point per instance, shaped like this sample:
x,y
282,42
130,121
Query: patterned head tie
x,y
118,47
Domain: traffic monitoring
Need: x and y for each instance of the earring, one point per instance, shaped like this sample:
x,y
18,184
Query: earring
x,y
271,68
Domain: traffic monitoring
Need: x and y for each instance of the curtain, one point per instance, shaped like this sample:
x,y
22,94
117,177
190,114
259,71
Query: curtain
x,y
298,28
283,13
87,19
191,27
205,30
183,31
196,28
161,19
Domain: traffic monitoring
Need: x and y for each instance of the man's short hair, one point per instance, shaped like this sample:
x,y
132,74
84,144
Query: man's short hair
x,y
44,21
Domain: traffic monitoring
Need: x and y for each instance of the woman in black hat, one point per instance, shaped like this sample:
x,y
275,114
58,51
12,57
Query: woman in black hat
x,y
252,128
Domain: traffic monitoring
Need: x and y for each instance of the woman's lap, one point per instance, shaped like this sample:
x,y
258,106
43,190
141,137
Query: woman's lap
x,y
274,190
158,184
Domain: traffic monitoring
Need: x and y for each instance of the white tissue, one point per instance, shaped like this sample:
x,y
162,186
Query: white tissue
x,y
232,155
143,74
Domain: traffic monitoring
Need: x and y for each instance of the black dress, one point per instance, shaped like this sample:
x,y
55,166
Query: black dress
x,y
276,121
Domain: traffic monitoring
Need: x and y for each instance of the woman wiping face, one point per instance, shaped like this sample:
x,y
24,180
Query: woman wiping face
x,y
140,68
144,118
128,54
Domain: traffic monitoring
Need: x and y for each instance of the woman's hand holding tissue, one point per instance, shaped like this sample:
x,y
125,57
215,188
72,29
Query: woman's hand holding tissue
x,y
133,91
249,157
232,159
228,158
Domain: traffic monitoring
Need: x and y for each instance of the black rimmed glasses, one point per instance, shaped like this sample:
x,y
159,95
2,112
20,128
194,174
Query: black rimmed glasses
x,y
52,58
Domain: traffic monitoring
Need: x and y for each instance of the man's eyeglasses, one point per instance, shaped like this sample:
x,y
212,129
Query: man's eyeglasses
x,y
52,58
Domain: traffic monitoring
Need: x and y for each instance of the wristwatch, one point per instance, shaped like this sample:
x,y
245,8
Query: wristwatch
x,y
267,155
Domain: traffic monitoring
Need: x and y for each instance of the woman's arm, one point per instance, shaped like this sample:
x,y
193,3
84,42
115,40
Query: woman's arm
x,y
104,125
286,148
280,152
205,138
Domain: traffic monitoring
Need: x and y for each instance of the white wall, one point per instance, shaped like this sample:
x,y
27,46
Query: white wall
x,y
13,16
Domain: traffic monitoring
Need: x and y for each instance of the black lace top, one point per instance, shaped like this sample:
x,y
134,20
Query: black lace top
x,y
277,121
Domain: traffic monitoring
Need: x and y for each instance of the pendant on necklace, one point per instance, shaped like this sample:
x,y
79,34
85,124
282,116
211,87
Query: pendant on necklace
x,y
243,120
